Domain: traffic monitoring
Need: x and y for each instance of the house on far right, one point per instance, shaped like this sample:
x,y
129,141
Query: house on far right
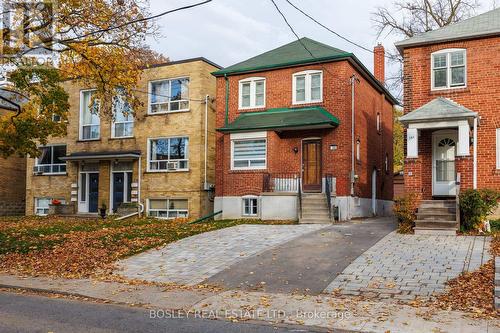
x,y
451,116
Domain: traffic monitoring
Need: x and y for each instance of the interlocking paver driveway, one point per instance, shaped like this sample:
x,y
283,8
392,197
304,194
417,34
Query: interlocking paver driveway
x,y
191,260
407,266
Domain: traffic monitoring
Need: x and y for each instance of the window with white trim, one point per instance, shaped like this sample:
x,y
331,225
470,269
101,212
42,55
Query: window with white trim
x,y
448,69
250,206
90,121
248,151
378,122
386,163
308,87
168,208
168,154
49,162
252,93
170,95
42,205
123,117
498,147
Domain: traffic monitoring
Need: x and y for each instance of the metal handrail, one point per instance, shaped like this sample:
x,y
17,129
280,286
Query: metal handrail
x,y
280,182
457,199
299,192
328,193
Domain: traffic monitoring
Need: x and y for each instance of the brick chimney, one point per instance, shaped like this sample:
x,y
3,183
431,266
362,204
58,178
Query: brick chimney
x,y
379,62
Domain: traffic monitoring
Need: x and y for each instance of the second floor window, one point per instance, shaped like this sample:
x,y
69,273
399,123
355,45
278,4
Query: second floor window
x,y
308,87
89,117
448,69
169,95
252,93
49,161
123,122
168,154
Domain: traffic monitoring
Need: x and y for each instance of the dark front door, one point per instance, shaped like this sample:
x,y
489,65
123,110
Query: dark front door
x,y
311,166
118,189
93,192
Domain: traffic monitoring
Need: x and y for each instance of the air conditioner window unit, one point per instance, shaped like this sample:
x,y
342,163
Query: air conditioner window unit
x,y
172,165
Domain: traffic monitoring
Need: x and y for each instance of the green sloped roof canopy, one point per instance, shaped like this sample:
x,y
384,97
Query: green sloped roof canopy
x,y
287,55
283,119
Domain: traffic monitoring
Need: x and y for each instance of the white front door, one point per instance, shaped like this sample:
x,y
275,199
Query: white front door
x,y
444,149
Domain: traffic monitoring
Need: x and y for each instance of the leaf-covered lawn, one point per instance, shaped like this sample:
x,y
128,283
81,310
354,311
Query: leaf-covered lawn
x,y
76,247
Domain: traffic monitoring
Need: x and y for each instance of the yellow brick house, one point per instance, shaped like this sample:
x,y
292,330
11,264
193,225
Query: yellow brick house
x,y
162,157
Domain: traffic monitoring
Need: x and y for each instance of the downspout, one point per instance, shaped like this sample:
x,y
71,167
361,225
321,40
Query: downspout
x,y
205,184
474,168
141,206
353,147
226,118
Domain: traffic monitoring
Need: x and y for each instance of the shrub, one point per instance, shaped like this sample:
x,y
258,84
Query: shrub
x,y
405,210
475,205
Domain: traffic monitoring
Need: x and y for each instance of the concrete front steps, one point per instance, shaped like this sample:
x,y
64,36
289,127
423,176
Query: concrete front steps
x,y
436,217
314,208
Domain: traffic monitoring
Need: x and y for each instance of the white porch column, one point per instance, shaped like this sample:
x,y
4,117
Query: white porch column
x,y
412,143
463,138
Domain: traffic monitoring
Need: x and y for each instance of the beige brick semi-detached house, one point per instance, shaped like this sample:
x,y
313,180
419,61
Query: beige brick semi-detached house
x,y
285,149
13,175
452,118
155,157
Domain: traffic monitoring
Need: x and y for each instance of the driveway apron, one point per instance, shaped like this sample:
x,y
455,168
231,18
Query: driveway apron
x,y
305,264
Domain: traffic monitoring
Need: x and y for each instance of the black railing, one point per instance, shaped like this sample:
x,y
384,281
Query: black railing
x,y
299,192
281,182
328,193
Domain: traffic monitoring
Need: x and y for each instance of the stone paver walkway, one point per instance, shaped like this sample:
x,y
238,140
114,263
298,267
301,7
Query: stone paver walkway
x,y
407,266
192,260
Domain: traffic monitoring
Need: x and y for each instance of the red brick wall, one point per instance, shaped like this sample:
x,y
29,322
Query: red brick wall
x,y
481,95
281,157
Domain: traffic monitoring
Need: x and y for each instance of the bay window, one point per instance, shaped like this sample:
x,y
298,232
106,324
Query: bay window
x,y
308,87
252,93
168,154
169,95
49,162
448,69
89,116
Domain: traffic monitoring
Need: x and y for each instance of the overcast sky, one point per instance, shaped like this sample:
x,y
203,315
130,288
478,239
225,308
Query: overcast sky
x,y
229,31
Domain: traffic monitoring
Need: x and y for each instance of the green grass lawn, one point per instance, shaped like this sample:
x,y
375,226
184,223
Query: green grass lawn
x,y
77,247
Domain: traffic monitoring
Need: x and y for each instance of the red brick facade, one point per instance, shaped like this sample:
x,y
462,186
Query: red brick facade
x,y
481,95
281,157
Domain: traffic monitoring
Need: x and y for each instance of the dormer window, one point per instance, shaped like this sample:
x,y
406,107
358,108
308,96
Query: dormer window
x,y
252,93
448,69
308,87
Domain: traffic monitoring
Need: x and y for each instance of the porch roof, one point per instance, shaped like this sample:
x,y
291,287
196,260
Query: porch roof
x,y
438,109
102,155
281,119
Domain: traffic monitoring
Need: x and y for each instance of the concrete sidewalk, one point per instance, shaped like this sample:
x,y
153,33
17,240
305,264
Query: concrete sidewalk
x,y
314,311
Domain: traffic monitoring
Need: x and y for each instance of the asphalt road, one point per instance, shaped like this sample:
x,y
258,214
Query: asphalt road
x,y
306,264
31,313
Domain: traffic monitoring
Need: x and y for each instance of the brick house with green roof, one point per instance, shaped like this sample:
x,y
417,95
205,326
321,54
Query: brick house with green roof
x,y
451,116
286,147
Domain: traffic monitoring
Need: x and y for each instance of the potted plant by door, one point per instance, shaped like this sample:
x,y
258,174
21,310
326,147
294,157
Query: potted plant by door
x,y
102,210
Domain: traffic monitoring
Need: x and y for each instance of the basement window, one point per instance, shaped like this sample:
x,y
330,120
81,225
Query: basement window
x,y
250,206
168,208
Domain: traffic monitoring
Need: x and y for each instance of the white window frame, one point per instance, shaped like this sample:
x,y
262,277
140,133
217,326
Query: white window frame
x,y
53,166
498,147
378,122
167,210
149,161
63,201
253,92
243,203
150,94
308,74
358,150
448,53
114,123
81,125
244,137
